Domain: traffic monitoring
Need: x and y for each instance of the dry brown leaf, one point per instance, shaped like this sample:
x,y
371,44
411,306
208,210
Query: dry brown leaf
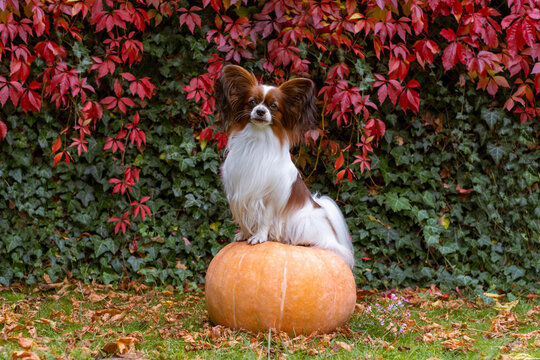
x,y
518,356
32,331
126,344
25,343
456,345
503,322
428,337
24,355
344,345
535,311
94,297
110,348
514,346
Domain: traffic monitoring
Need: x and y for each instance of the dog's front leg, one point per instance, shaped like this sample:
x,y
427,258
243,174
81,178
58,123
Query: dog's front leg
x,y
239,236
260,237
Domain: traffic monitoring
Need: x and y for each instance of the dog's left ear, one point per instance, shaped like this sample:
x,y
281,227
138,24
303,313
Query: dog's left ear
x,y
301,113
231,91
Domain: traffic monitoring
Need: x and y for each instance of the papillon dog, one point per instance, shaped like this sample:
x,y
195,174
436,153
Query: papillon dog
x,y
266,194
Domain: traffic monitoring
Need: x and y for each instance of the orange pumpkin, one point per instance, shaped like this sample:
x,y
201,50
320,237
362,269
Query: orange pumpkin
x,y
295,289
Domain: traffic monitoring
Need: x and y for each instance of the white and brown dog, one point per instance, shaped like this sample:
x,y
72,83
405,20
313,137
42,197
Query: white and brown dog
x,y
265,191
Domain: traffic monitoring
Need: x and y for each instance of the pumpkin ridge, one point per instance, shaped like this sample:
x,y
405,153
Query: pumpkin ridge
x,y
283,294
234,290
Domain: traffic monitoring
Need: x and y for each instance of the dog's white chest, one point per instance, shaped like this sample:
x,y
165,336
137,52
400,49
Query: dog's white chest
x,y
257,175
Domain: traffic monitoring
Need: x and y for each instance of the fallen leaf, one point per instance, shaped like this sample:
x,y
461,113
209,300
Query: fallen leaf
x,y
494,296
94,297
456,345
518,356
25,343
110,348
505,307
24,355
126,344
344,345
428,337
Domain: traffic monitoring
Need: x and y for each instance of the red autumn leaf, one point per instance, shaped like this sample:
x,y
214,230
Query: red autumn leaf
x,y
64,79
492,82
108,20
140,207
81,145
452,55
113,144
20,68
31,100
362,103
65,154
221,138
387,88
339,161
363,161
49,50
56,146
142,88
375,128
424,50
340,176
131,49
11,90
3,130
106,66
58,157
128,76
122,103
365,144
120,186
132,175
206,134
529,30
514,38
199,87
409,99
120,223
136,135
216,4
189,18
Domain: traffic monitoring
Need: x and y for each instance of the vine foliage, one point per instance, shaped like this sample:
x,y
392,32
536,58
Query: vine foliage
x,y
119,94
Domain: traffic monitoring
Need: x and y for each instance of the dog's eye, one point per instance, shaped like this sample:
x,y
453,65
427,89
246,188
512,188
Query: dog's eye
x,y
273,106
252,102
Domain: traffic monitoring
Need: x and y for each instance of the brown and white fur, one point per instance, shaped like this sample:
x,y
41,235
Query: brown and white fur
x,y
266,194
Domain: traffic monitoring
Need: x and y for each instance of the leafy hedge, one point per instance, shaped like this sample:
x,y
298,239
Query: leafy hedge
x,y
452,195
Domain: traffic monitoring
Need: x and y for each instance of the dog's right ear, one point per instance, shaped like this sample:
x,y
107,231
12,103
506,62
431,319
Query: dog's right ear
x,y
231,92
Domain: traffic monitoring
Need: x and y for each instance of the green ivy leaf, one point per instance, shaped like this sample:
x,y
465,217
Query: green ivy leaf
x,y
396,202
496,152
491,117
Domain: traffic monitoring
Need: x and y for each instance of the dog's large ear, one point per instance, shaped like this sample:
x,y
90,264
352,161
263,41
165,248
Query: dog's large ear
x,y
301,113
231,91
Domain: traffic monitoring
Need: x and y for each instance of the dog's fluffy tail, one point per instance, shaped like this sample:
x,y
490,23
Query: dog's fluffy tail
x,y
344,247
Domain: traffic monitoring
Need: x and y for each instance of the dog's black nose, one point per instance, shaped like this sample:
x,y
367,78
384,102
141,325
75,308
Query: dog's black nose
x,y
260,112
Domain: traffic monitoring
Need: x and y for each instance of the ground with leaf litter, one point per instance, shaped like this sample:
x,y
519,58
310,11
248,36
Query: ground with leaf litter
x,y
70,320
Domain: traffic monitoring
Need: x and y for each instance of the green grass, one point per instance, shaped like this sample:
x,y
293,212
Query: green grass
x,y
75,321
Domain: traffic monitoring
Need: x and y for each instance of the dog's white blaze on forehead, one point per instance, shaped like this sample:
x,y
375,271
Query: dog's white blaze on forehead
x,y
266,89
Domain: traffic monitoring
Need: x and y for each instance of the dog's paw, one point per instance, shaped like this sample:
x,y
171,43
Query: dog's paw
x,y
239,236
258,239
